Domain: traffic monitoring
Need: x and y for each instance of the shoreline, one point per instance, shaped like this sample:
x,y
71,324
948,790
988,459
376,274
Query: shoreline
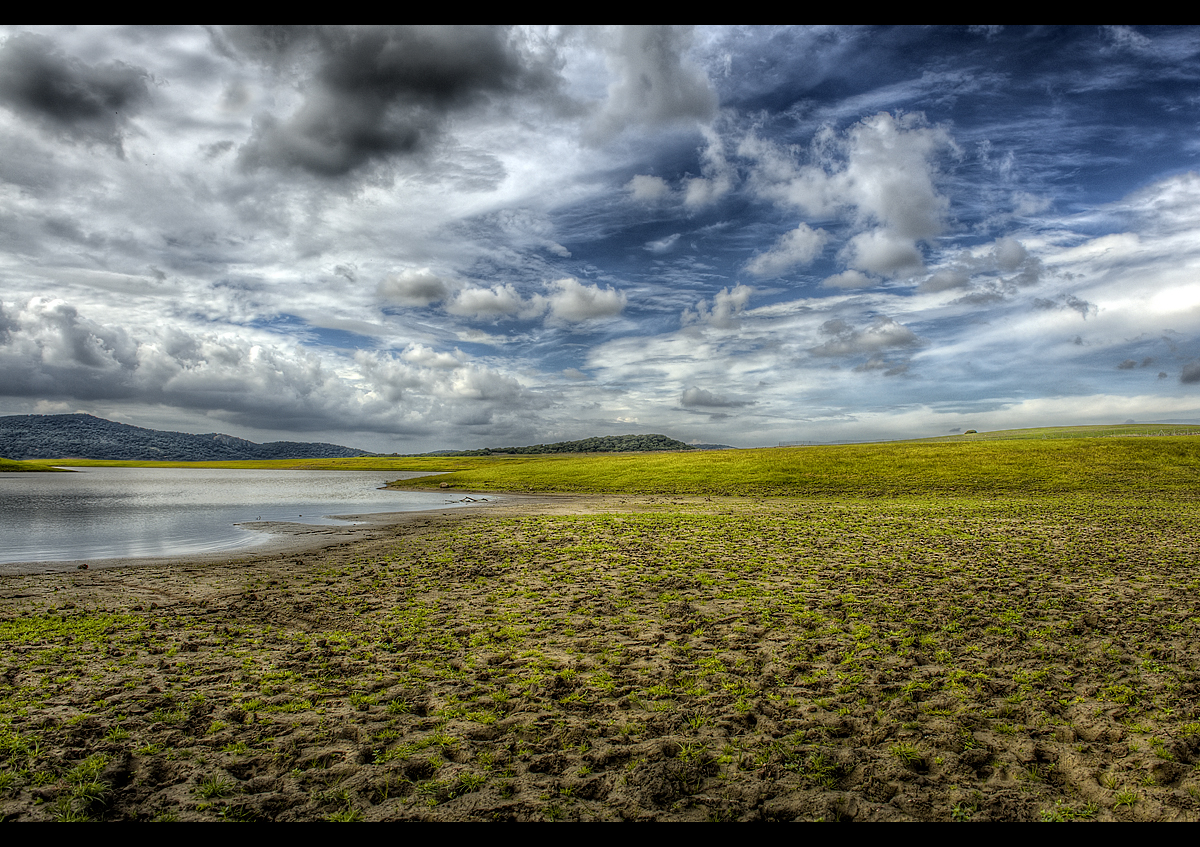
x,y
283,538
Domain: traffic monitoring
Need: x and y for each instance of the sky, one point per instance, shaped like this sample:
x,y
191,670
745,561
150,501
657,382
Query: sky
x,y
414,239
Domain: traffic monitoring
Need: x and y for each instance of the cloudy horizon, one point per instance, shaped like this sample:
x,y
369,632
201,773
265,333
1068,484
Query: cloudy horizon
x,y
412,239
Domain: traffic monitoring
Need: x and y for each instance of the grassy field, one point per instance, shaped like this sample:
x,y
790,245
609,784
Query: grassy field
x,y
1100,431
10,466
1110,466
989,630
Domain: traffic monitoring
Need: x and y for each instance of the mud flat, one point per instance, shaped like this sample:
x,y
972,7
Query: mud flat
x,y
950,658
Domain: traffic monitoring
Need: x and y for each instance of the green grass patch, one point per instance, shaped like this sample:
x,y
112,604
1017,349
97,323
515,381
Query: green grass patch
x,y
1026,466
13,466
59,628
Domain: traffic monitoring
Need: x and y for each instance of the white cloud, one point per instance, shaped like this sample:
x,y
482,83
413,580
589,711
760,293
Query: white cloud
x,y
727,306
944,279
648,189
497,301
654,84
427,357
573,301
663,245
701,398
882,172
850,279
793,249
847,340
717,175
1009,254
882,253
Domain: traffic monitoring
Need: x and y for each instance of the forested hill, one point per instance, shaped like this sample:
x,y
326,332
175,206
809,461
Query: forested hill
x,y
601,444
88,437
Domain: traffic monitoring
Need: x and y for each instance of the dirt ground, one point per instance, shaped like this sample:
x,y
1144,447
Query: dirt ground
x,y
624,658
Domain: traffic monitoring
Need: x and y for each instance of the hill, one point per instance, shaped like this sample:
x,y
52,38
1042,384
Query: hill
x,y
89,437
601,444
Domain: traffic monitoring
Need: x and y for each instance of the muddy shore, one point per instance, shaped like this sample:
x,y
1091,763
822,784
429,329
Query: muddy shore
x,y
284,539
584,658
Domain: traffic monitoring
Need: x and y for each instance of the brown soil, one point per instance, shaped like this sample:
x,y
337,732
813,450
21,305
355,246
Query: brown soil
x,y
590,658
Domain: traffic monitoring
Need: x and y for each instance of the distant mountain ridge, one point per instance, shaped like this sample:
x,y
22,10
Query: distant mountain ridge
x,y
89,437
599,444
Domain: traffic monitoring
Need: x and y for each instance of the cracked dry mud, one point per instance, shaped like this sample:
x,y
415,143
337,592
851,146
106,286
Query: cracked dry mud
x,y
870,659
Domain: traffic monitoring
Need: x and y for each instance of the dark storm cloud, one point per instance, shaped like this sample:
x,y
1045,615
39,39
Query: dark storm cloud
x,y
70,98
1191,373
378,92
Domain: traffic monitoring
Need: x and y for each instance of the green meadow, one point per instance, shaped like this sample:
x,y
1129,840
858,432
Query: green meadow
x,y
985,467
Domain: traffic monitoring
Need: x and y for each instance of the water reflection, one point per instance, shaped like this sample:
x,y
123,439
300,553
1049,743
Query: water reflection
x,y
103,513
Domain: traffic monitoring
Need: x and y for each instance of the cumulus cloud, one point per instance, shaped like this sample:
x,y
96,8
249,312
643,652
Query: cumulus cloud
x,y
847,340
717,175
56,352
567,300
700,398
648,189
574,302
654,84
882,172
1009,254
92,104
376,92
793,249
48,340
427,357
849,279
413,287
944,279
727,306
988,266
881,252
51,351
497,301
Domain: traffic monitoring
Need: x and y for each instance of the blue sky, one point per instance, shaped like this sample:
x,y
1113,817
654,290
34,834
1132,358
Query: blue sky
x,y
413,239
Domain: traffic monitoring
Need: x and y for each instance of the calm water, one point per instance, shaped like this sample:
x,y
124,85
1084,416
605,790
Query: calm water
x,y
101,513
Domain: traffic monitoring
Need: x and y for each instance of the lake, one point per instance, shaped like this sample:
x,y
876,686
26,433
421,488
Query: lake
x,y
103,513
